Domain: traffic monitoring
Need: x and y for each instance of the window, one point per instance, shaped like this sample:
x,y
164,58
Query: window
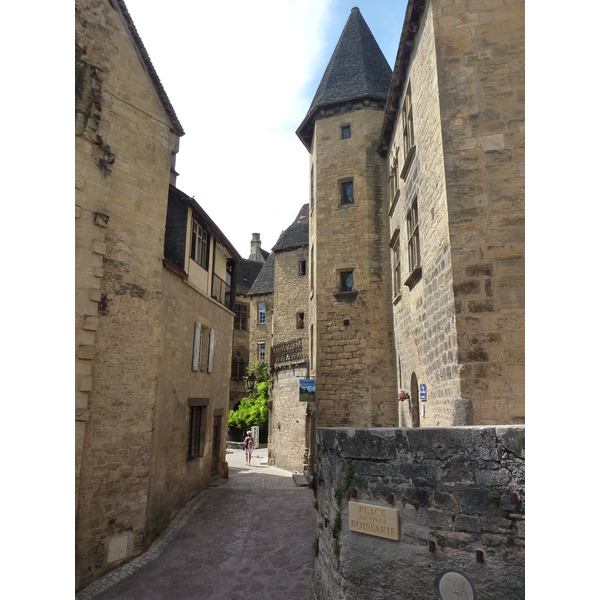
x,y
346,132
397,283
204,345
394,177
414,253
347,190
240,321
408,134
302,268
300,320
346,281
199,249
194,432
312,359
262,313
312,267
238,366
261,351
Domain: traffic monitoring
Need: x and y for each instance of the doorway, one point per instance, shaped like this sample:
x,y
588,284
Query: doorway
x,y
216,446
414,401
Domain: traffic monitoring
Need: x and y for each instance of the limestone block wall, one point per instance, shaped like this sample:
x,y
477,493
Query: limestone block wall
x,y
290,296
123,157
480,53
353,333
241,342
262,332
173,481
288,419
424,320
458,490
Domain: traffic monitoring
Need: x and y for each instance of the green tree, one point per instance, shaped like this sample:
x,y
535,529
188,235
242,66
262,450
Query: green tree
x,y
253,410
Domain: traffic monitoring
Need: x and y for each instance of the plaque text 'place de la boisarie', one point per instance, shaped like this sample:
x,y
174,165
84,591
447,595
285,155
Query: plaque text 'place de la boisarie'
x,y
374,520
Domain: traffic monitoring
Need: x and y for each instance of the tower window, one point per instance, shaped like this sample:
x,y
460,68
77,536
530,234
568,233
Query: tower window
x,y
346,132
300,320
346,281
414,251
262,313
302,268
347,189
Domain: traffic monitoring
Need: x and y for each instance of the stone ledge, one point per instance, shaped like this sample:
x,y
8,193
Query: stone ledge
x,y
347,296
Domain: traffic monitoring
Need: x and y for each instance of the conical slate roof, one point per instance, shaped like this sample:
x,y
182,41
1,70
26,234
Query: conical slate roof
x,y
357,69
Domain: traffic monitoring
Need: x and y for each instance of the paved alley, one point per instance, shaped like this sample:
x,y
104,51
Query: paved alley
x,y
249,537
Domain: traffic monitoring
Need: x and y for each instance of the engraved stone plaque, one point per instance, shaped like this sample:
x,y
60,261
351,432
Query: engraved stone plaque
x,y
374,520
454,586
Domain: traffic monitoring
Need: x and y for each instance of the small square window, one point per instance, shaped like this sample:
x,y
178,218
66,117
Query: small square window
x,y
346,132
347,192
302,268
300,320
346,281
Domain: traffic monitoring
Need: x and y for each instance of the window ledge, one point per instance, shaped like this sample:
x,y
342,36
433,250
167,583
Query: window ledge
x,y
397,298
413,278
407,162
394,201
346,295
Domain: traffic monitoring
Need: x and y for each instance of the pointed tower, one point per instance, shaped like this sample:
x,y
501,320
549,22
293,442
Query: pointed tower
x,y
351,332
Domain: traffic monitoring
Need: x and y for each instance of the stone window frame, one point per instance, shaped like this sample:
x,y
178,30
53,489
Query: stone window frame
x,y
262,350
262,314
302,268
342,291
413,244
342,186
196,437
393,181
408,132
345,128
396,258
200,244
238,320
300,319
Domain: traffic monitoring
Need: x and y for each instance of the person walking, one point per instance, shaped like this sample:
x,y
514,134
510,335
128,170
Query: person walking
x,y
248,446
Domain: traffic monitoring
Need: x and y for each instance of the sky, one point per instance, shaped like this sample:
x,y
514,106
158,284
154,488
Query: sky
x,y
241,76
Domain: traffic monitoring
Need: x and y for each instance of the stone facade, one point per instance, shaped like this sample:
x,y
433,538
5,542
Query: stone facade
x,y
458,491
261,332
291,422
135,311
460,329
352,331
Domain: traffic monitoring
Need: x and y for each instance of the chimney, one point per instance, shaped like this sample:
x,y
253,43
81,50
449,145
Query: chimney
x,y
255,253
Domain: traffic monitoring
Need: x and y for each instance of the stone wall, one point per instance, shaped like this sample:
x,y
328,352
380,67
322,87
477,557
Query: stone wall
x,y
123,156
241,343
288,419
424,320
480,51
353,332
458,490
262,332
290,296
173,480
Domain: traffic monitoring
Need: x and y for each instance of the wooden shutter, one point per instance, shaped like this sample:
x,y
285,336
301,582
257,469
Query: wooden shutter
x,y
211,348
197,347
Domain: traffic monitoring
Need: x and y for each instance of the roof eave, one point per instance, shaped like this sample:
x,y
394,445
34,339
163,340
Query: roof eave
x,y
410,28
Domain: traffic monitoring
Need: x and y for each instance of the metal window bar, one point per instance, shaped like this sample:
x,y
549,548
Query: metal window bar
x,y
194,432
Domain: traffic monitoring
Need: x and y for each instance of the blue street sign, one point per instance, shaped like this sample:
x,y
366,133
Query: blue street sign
x,y
422,391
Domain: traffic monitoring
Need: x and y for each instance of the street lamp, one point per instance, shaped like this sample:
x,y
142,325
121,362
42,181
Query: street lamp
x,y
250,381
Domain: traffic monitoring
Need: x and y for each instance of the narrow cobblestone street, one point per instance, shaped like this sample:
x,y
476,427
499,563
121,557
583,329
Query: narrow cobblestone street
x,y
250,536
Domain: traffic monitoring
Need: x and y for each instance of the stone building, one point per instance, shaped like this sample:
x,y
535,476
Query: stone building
x,y
246,275
350,313
154,315
291,422
438,251
261,313
453,135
